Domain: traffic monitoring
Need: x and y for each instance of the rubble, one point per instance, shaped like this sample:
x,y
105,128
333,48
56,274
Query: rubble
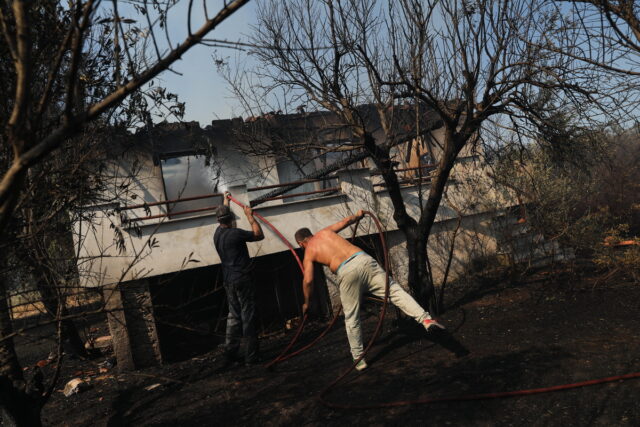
x,y
42,363
74,386
108,363
99,342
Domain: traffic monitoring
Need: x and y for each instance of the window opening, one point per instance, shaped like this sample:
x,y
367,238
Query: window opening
x,y
190,176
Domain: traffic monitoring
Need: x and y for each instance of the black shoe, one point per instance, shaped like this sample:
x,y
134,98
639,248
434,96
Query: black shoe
x,y
463,352
226,363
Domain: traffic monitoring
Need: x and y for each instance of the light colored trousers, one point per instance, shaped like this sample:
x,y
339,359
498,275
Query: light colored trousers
x,y
360,274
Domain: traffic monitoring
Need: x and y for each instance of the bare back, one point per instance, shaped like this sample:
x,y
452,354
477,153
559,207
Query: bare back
x,y
330,249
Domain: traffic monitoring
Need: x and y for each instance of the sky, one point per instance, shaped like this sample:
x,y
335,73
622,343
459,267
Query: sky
x,y
206,94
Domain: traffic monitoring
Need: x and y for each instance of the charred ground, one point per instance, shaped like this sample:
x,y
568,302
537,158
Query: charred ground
x,y
544,329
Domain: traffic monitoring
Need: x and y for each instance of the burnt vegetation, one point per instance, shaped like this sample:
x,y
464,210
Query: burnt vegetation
x,y
544,93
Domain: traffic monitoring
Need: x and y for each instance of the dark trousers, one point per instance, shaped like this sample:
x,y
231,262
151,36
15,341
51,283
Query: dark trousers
x,y
241,321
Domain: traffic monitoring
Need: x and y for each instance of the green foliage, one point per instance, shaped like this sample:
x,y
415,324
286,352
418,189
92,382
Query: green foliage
x,y
580,194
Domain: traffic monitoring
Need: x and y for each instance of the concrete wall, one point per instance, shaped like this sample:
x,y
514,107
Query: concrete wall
x,y
121,255
164,245
475,239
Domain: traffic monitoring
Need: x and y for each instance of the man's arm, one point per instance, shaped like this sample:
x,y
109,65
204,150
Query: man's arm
x,y
255,225
307,281
256,229
341,225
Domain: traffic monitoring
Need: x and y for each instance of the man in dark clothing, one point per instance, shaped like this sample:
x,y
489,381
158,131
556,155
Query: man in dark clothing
x,y
231,244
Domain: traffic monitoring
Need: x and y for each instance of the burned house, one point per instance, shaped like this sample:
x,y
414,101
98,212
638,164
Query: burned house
x,y
151,249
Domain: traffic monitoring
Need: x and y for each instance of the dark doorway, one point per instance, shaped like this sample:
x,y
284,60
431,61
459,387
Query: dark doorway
x,y
190,307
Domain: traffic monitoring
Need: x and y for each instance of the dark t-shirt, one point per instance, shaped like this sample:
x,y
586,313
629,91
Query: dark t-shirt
x,y
231,244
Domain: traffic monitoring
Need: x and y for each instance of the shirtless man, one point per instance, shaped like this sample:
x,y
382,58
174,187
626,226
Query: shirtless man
x,y
357,272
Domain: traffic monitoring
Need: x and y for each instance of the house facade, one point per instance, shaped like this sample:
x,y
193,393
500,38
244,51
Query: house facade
x,y
156,233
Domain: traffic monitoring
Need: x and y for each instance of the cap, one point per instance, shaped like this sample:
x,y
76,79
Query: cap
x,y
223,212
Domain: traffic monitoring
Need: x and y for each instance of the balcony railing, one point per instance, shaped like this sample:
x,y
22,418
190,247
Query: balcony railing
x,y
324,191
424,179
146,206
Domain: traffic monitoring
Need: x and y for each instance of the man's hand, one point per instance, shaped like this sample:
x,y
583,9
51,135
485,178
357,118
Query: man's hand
x,y
227,195
248,212
305,308
347,221
357,217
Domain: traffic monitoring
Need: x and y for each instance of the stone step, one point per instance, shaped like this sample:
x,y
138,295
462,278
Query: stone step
x,y
506,231
548,250
525,241
517,242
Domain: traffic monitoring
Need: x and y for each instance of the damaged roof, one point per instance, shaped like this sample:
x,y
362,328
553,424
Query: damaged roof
x,y
322,128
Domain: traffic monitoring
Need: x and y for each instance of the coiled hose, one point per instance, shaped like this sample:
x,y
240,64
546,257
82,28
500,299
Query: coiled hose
x,y
468,397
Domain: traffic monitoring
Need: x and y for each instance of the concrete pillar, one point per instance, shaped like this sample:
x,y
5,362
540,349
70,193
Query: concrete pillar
x,y
141,322
132,325
118,327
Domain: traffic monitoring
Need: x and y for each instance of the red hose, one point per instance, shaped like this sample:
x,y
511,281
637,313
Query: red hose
x,y
327,329
275,230
383,311
282,354
469,397
486,396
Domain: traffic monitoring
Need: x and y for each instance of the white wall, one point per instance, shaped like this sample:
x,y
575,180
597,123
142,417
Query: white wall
x,y
160,246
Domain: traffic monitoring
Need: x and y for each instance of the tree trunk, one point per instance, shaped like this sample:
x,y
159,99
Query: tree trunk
x,y
18,406
9,195
426,292
416,233
72,341
46,284
419,277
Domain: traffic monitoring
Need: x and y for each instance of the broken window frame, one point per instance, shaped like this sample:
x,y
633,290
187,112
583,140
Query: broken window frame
x,y
180,210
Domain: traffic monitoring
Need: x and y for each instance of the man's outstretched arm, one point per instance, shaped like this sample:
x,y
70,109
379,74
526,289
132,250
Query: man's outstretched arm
x,y
307,281
255,226
341,225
